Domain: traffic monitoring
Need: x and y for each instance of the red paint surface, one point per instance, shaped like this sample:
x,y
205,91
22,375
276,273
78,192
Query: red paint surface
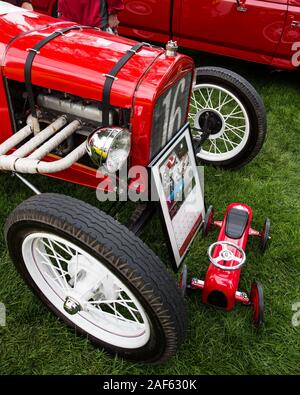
x,y
76,63
262,34
226,282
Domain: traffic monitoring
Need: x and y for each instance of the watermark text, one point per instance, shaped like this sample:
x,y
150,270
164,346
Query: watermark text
x,y
2,315
296,54
296,316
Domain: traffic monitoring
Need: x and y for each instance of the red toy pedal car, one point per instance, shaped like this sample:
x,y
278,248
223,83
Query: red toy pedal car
x,y
227,257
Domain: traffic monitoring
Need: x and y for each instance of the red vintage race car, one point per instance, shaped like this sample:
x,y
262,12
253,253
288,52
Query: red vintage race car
x,y
81,105
236,124
263,31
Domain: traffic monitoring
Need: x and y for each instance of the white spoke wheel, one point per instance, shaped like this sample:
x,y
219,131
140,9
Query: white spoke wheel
x,y
234,114
97,277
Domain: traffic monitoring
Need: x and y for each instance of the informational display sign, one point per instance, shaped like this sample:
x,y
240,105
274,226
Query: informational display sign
x,y
177,182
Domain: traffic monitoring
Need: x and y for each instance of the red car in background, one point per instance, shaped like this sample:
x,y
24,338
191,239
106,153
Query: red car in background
x,y
263,31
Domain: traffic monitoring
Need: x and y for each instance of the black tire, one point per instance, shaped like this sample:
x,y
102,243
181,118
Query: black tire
x,y
208,220
265,237
253,106
257,302
125,255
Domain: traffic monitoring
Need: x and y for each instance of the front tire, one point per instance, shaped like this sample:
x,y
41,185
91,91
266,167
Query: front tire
x,y
98,277
235,115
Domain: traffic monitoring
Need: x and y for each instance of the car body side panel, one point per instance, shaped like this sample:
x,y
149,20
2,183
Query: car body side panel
x,y
257,35
146,20
257,30
286,56
261,34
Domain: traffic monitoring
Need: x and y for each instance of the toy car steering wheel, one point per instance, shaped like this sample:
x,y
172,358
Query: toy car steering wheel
x,y
226,255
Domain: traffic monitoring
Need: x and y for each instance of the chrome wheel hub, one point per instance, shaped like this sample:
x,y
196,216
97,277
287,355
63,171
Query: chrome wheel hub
x,y
71,306
216,122
86,291
82,274
228,122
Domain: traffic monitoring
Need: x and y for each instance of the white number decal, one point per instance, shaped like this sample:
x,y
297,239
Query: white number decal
x,y
296,316
176,109
171,115
167,105
2,314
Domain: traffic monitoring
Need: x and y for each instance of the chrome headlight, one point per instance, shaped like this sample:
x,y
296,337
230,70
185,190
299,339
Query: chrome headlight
x,y
109,147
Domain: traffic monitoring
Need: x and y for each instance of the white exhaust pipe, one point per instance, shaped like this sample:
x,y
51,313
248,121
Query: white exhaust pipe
x,y
18,162
40,138
14,140
33,166
50,145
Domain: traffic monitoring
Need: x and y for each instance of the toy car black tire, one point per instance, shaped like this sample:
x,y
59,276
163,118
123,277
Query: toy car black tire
x,y
265,237
209,216
257,303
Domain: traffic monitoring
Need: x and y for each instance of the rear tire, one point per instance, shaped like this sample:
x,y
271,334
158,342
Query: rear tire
x,y
61,245
257,302
237,118
265,237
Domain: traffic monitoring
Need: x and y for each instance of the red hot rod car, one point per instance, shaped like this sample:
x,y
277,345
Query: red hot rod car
x,y
237,125
72,96
263,31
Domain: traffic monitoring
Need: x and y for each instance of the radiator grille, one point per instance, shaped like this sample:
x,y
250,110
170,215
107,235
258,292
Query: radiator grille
x,y
170,114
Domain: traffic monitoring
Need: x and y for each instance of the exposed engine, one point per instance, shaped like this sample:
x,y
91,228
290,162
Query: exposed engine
x,y
65,122
88,112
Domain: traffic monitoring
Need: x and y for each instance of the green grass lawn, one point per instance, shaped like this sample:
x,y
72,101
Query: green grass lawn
x,y
36,342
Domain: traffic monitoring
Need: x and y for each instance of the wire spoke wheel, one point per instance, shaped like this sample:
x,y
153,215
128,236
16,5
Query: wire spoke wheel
x,y
227,116
82,287
228,121
97,277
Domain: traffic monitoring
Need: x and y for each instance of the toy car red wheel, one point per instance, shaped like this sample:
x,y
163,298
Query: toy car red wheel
x,y
257,302
209,216
265,236
183,280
